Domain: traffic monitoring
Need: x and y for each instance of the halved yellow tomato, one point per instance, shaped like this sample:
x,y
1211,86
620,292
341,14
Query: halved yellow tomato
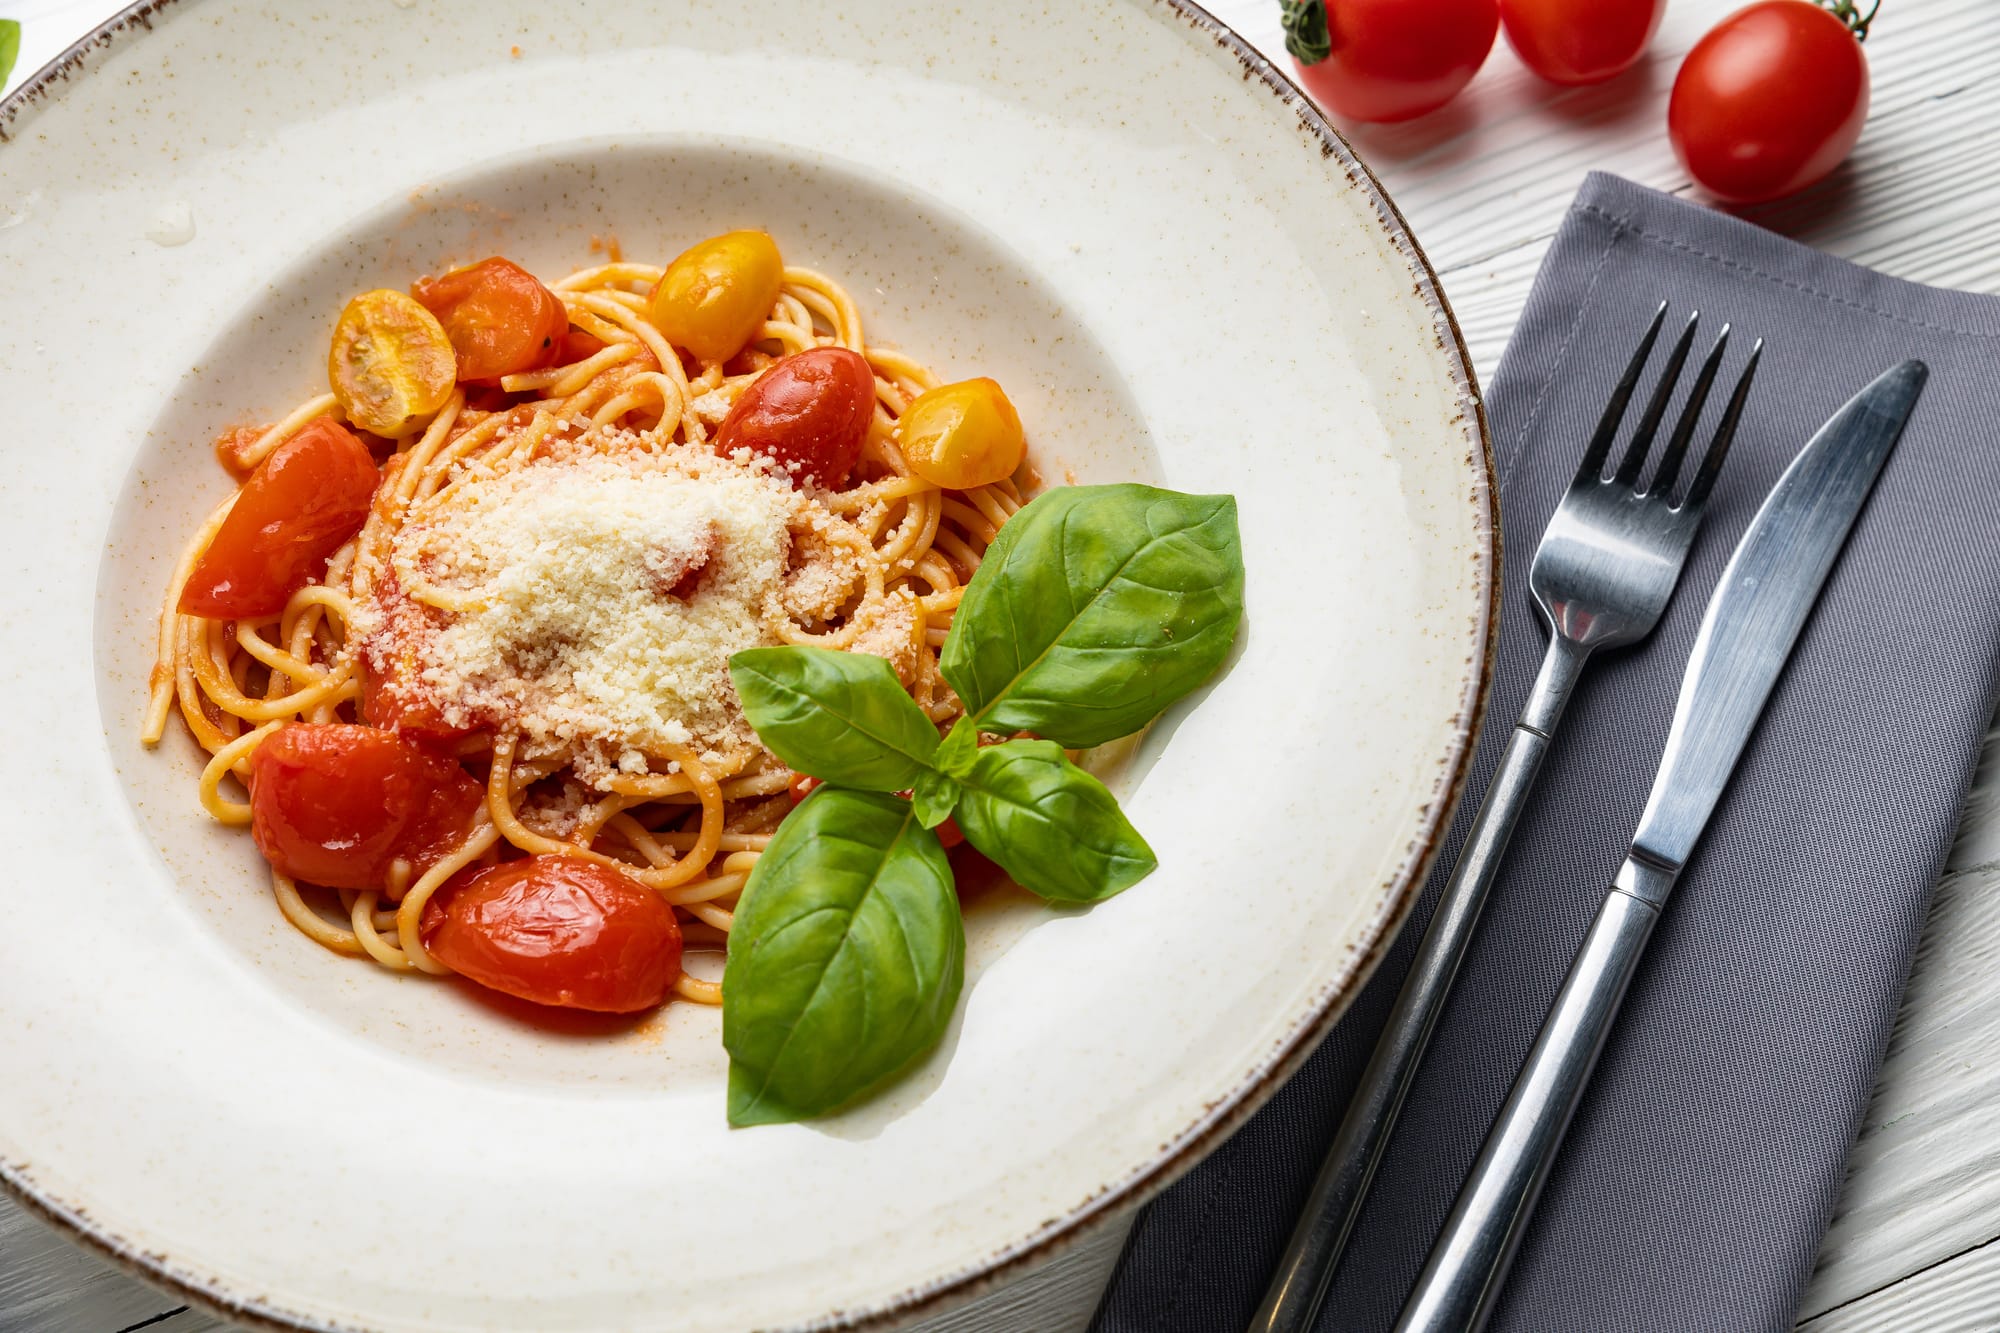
x,y
391,365
716,295
962,435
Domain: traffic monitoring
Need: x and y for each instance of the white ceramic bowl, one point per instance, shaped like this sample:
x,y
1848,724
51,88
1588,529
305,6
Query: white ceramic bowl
x,y
1112,206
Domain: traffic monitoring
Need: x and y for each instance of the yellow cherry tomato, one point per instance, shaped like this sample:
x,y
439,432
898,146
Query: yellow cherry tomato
x,y
962,435
391,365
715,296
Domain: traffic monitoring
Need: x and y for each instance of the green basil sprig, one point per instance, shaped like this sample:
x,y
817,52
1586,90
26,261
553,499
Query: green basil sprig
x,y
845,961
10,48
1094,609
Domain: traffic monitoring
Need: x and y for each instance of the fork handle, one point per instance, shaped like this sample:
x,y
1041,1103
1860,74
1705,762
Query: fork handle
x,y
1468,1265
1300,1284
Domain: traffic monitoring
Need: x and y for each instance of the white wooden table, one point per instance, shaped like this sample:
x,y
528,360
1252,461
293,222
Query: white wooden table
x,y
1484,184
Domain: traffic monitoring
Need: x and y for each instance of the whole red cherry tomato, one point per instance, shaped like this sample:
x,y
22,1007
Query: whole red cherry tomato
x,y
810,412
499,318
309,496
1769,101
1580,41
334,804
557,930
1388,59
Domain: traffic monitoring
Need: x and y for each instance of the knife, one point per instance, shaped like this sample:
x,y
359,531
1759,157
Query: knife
x,y
1752,621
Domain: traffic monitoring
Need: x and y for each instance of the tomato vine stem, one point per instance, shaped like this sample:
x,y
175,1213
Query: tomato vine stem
x,y
1849,13
1307,35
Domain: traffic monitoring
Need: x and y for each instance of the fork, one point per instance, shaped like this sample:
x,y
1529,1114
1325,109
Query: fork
x,y
1601,578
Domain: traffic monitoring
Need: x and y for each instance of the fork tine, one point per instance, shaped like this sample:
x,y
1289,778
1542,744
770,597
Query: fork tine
x,y
1711,463
1656,407
1670,461
1592,466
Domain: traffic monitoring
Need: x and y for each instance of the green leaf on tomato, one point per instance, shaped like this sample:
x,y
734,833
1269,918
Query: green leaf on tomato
x,y
842,717
845,960
1096,608
1306,33
1056,830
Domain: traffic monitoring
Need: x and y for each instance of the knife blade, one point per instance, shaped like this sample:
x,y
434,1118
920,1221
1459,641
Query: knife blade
x,y
1752,621
1760,606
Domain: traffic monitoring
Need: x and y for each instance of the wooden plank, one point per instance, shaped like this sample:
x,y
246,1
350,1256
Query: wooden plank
x,y
1960,1295
47,1283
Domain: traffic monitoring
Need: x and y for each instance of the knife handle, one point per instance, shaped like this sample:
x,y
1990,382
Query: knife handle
x,y
1468,1264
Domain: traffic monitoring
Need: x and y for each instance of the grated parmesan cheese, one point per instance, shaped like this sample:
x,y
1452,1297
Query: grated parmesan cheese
x,y
593,598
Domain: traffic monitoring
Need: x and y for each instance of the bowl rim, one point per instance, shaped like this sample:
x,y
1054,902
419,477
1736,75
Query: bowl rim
x,y
1180,1154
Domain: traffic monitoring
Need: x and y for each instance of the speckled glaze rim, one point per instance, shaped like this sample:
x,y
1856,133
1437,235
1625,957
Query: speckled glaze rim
x,y
1182,1153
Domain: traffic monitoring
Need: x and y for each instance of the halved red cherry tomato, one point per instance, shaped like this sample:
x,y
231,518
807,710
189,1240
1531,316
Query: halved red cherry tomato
x,y
1580,41
1769,101
810,412
557,930
1390,59
499,317
334,804
298,507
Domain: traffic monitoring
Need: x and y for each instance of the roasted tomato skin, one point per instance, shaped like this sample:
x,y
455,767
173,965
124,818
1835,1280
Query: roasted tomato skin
x,y
809,412
501,320
962,435
335,804
303,501
557,930
716,294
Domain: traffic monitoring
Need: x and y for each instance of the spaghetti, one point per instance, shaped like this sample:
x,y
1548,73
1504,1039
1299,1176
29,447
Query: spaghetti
x,y
676,792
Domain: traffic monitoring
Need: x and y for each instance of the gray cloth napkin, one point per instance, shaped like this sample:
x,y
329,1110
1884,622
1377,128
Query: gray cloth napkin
x,y
1707,1156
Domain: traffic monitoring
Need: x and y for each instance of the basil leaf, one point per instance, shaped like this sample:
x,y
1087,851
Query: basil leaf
x,y
1056,830
845,961
842,717
954,757
1094,609
933,797
10,48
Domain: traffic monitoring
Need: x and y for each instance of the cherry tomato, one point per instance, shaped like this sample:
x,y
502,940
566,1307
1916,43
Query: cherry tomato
x,y
1395,59
810,412
577,346
1580,41
310,495
557,930
393,694
334,804
716,295
499,318
962,435
1769,101
391,364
